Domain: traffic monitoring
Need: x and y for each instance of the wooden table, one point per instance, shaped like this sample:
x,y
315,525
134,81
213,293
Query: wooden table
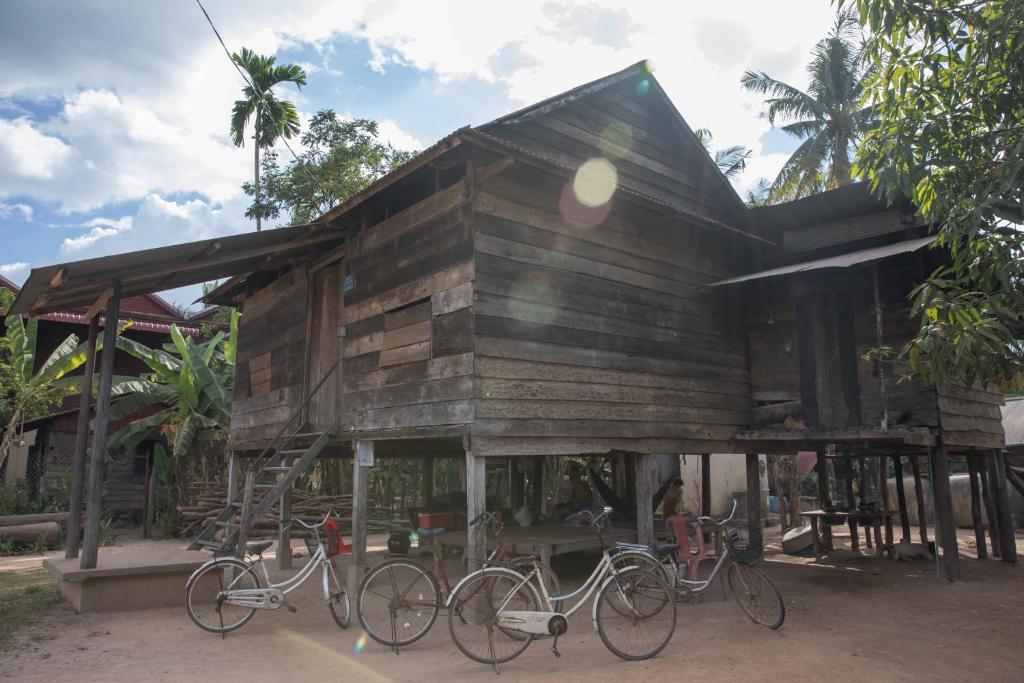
x,y
853,518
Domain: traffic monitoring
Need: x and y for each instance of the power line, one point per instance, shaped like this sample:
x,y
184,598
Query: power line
x,y
259,100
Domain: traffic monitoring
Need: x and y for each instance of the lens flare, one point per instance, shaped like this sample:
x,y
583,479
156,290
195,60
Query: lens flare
x,y
595,182
643,87
361,643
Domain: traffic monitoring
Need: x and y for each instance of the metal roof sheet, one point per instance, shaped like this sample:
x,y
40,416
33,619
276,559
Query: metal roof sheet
x,y
841,261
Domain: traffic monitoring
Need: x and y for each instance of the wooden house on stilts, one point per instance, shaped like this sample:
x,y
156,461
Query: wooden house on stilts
x,y
574,278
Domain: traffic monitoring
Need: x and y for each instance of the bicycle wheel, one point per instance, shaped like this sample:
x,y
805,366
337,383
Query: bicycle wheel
x,y
204,595
473,615
635,614
398,602
756,595
636,558
338,604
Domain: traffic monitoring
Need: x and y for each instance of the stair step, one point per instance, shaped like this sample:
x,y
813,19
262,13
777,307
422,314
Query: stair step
x,y
307,435
277,469
293,451
227,525
207,544
265,486
236,504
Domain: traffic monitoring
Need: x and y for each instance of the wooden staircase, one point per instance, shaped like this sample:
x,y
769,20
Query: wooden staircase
x,y
276,469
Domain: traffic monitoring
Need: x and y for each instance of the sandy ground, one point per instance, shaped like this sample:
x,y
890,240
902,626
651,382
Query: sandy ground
x,y
848,619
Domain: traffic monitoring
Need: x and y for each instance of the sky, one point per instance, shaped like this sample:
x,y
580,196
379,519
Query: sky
x,y
114,114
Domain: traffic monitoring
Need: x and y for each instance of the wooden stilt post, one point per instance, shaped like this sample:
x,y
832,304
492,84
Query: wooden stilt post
x,y
361,464
1001,496
517,482
922,513
427,491
901,498
644,498
990,506
705,484
476,503
74,537
824,499
943,498
883,492
284,531
245,517
97,460
233,473
536,486
979,523
754,495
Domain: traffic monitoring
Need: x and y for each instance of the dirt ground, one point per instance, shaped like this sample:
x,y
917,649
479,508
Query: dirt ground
x,y
848,619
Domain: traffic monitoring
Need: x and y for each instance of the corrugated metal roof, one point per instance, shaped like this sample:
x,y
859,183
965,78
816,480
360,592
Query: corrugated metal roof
x,y
1013,420
841,261
78,284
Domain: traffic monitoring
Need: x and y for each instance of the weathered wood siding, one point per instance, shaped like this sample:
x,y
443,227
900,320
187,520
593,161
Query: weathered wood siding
x,y
651,148
271,344
408,350
325,345
590,339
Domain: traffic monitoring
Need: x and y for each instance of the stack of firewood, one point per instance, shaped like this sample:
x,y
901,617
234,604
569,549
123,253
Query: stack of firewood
x,y
306,505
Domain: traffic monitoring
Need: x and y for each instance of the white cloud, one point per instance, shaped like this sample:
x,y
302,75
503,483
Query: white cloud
x,y
14,271
389,132
28,155
22,212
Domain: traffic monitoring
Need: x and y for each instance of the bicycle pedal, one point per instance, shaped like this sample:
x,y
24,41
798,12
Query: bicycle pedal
x,y
292,608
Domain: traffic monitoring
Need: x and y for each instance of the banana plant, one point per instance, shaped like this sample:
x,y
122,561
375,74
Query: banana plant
x,y
30,393
190,382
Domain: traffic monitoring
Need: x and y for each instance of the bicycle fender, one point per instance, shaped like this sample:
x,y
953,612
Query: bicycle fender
x,y
206,564
491,570
593,608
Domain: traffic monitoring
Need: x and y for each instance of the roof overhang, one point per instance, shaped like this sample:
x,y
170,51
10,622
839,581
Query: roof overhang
x,y
81,284
841,261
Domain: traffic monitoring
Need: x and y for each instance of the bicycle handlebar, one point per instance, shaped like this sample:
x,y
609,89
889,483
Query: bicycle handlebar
x,y
720,522
316,526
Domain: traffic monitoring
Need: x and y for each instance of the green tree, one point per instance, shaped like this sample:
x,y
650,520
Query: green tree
x,y
339,158
26,393
192,384
830,118
731,161
946,84
272,117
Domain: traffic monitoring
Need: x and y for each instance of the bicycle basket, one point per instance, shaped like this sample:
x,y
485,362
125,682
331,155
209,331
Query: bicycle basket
x,y
334,541
744,546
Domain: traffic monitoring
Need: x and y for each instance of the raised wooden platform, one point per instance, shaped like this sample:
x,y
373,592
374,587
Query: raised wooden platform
x,y
126,580
547,540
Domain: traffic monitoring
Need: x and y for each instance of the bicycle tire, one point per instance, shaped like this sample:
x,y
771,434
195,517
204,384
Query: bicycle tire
x,y
648,561
657,612
484,584
750,584
338,602
196,582
431,606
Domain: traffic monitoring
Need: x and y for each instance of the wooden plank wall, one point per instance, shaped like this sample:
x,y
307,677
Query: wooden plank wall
x,y
325,345
636,131
589,339
408,350
273,322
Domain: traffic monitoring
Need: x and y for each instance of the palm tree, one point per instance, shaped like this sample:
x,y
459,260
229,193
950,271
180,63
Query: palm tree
x,y
272,117
830,117
731,161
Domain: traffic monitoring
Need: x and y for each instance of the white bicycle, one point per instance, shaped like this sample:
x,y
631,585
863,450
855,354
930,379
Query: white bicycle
x,y
495,613
224,594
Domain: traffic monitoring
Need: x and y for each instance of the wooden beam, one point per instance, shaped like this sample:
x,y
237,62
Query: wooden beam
x,y
922,515
645,487
360,474
943,499
976,519
94,310
705,484
476,503
990,507
74,535
883,490
1001,495
284,531
210,249
234,462
94,509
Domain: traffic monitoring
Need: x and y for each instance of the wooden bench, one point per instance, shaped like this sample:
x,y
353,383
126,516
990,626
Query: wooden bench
x,y
126,580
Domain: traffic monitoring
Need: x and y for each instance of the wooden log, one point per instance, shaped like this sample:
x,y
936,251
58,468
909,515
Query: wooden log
x,y
976,519
943,498
97,464
48,533
74,537
37,518
922,517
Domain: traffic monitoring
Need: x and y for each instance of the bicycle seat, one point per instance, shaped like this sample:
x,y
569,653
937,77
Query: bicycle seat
x,y
430,533
665,548
257,547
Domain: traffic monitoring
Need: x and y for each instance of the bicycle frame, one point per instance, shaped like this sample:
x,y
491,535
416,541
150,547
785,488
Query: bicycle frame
x,y
272,597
